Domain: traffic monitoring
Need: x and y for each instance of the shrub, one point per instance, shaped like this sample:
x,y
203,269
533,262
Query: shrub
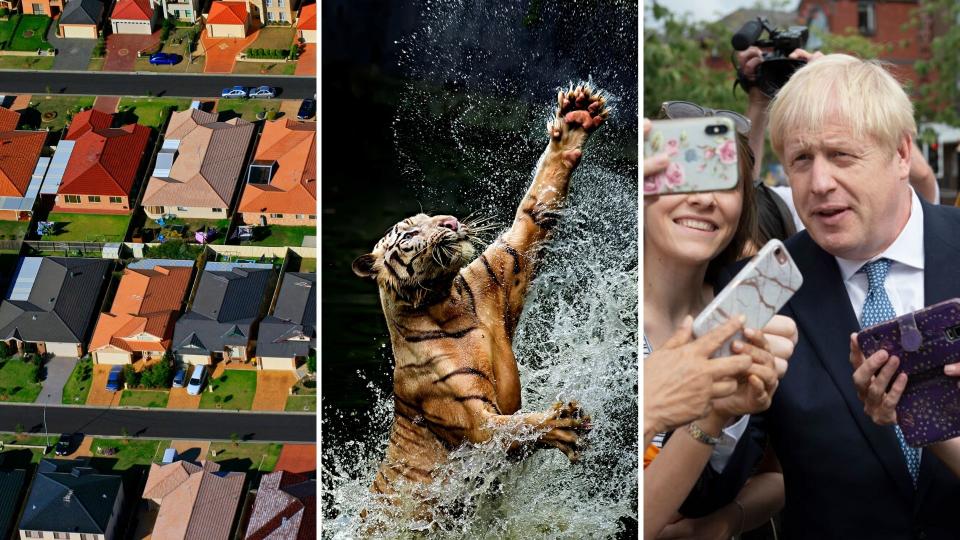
x,y
312,362
157,376
4,350
131,376
271,114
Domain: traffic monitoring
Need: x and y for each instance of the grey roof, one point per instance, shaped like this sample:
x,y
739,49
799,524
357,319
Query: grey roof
x,y
11,484
294,318
82,12
69,496
224,309
62,302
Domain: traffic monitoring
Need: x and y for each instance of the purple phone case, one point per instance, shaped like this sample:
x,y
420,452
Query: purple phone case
x,y
925,340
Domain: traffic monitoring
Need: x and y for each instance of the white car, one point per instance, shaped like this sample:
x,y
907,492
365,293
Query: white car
x,y
234,92
263,92
196,380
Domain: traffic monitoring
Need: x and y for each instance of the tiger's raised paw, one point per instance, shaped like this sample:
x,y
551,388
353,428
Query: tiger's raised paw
x,y
568,425
580,111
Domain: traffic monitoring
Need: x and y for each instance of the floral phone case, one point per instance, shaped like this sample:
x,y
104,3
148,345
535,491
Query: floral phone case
x,y
925,340
758,291
702,151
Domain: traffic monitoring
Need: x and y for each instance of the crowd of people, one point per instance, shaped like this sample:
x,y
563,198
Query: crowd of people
x,y
732,441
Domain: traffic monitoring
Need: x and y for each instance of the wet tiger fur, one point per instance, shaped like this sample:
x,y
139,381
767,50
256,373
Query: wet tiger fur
x,y
452,316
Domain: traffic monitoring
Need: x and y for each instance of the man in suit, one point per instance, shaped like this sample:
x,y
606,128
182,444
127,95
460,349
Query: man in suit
x,y
843,129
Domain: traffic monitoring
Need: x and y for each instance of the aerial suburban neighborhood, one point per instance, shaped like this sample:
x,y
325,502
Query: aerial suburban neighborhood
x,y
158,195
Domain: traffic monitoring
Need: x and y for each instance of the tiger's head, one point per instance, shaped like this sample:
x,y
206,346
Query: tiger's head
x,y
417,252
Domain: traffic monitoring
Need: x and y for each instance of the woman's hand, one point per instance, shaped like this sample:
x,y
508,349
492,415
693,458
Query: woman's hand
x,y
653,165
754,392
782,336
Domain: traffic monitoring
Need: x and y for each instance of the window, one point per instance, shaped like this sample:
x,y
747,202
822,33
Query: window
x,y
269,3
270,16
187,13
217,210
116,200
71,198
33,534
93,198
276,216
37,9
154,209
88,536
283,16
866,18
61,536
299,216
181,209
280,3
313,216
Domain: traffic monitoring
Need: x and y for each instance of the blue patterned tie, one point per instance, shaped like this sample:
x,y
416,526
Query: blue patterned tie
x,y
877,309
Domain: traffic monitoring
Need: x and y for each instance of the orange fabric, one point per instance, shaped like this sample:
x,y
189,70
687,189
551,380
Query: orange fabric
x,y
649,454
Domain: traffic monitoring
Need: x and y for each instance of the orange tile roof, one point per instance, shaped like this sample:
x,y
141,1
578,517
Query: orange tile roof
x,y
105,160
308,17
293,188
8,119
227,13
19,152
88,120
147,302
135,10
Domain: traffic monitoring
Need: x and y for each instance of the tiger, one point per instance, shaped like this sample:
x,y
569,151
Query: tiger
x,y
452,315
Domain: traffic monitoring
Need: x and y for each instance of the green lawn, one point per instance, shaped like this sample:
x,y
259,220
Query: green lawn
x,y
275,37
236,387
301,403
308,265
78,385
32,440
144,398
88,227
130,452
266,67
61,105
277,235
149,111
246,108
246,456
26,62
29,33
12,231
17,381
194,225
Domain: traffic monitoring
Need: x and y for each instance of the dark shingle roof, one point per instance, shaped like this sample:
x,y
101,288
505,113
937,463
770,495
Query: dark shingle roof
x,y
61,305
223,311
68,496
82,12
294,317
11,484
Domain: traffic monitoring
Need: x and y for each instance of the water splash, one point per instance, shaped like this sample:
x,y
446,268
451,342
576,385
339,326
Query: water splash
x,y
474,116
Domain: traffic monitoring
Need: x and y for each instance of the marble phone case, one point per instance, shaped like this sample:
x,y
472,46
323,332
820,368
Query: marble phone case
x,y
702,152
925,340
758,291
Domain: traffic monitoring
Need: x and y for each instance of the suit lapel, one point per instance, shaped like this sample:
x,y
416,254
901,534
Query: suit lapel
x,y
824,313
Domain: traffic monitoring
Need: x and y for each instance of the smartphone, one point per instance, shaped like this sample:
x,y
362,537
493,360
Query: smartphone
x,y
702,152
758,291
925,340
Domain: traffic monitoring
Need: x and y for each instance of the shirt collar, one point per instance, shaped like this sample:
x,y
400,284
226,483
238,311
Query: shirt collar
x,y
906,249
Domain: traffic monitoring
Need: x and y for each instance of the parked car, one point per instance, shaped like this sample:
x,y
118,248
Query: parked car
x,y
307,109
114,380
180,377
263,92
68,443
165,59
234,92
197,378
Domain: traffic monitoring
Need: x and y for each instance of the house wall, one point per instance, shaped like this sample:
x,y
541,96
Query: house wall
x,y
14,215
46,7
47,535
310,36
85,206
184,11
187,212
277,11
254,218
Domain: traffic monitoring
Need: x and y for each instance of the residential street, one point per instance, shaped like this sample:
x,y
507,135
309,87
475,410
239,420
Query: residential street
x,y
284,427
147,83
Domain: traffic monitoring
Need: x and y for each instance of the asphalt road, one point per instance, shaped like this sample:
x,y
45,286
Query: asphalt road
x,y
161,423
99,83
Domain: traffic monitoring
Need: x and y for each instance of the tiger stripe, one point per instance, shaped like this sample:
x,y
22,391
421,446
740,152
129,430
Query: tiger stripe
x,y
464,371
486,264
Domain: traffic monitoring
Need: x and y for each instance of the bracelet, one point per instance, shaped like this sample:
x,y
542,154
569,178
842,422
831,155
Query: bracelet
x,y
743,516
700,435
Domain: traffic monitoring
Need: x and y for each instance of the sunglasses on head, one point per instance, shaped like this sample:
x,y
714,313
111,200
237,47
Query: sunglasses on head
x,y
686,109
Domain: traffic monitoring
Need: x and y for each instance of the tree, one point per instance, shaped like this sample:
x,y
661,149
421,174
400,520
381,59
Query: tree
x,y
131,375
312,362
4,349
157,375
235,439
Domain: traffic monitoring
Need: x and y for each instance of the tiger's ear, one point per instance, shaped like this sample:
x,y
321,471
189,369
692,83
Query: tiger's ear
x,y
363,266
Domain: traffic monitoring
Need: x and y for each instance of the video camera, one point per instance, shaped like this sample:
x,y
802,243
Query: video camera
x,y
776,67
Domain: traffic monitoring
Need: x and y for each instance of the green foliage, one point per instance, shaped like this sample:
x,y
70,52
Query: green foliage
x,y
174,249
100,49
4,350
937,98
4,12
157,376
131,376
312,362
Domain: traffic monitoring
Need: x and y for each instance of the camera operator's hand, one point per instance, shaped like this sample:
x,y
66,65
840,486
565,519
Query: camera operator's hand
x,y
801,54
748,61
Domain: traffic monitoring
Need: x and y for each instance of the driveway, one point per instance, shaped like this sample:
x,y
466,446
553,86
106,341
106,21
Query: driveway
x,y
180,399
222,53
73,53
273,387
58,369
107,104
99,395
122,50
307,62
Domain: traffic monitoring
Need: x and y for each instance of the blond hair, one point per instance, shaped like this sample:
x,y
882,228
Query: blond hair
x,y
858,93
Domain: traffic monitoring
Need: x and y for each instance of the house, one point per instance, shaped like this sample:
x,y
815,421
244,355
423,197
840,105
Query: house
x,y
273,11
198,168
281,183
183,10
81,19
229,302
307,23
290,332
11,492
22,168
103,166
50,8
70,499
228,20
146,306
134,17
52,304
196,501
285,507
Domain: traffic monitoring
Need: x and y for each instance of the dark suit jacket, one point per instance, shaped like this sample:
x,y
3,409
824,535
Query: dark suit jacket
x,y
845,476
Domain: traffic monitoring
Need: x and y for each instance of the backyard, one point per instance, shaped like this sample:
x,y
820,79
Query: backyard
x,y
87,227
149,111
12,231
187,228
307,265
245,108
25,33
78,385
244,457
232,390
277,235
144,398
18,381
129,452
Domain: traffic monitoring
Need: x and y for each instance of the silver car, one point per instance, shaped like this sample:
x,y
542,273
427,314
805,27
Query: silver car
x,y
263,92
196,380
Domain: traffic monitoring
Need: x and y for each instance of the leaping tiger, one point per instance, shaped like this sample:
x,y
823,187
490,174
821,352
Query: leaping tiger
x,y
452,316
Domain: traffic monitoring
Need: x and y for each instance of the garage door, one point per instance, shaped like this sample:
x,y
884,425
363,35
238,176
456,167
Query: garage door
x,y
62,349
226,30
277,363
76,31
107,357
131,27
194,359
